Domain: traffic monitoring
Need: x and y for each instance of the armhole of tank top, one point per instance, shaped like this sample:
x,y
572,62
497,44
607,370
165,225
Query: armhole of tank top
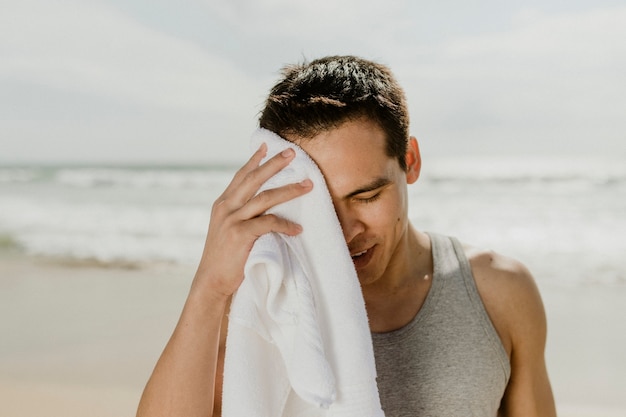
x,y
479,307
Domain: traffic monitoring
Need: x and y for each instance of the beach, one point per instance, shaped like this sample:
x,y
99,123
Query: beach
x,y
81,339
96,262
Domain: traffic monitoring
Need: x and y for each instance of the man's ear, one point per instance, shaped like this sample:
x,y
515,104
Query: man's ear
x,y
413,161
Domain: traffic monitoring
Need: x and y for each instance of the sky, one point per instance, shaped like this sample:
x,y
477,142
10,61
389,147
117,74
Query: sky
x,y
156,81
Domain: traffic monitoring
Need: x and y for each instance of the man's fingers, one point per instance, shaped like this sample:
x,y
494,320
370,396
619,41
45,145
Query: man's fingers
x,y
271,223
253,163
272,197
251,180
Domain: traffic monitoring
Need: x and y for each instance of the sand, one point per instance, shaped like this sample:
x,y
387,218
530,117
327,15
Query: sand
x,y
80,340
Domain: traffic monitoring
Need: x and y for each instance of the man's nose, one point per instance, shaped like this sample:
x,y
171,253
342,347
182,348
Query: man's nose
x,y
351,224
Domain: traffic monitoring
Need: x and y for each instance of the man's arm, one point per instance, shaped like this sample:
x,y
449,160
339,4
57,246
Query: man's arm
x,y
183,381
514,305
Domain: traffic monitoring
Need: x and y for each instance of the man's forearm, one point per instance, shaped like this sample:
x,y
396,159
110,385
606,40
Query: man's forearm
x,y
183,380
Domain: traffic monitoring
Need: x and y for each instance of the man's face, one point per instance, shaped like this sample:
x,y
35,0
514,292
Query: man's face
x,y
369,193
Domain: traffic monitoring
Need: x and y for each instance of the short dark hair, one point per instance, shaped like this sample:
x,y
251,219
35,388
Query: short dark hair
x,y
320,95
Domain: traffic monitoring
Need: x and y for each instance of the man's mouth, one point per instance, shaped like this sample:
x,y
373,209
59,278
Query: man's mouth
x,y
362,257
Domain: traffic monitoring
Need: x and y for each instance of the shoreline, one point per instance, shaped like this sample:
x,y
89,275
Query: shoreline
x,y
84,338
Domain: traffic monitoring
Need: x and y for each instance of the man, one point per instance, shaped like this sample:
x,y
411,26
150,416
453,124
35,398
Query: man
x,y
456,330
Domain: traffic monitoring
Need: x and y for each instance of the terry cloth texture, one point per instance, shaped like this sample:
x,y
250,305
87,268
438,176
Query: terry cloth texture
x,y
298,339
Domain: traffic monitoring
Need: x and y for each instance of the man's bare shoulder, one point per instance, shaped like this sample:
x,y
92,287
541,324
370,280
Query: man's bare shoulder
x,y
510,296
500,271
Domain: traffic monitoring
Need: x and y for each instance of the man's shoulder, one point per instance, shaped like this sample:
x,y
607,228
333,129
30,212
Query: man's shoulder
x,y
509,293
497,269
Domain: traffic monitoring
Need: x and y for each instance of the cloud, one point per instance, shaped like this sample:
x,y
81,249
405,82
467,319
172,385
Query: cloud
x,y
93,48
321,20
549,79
479,80
580,41
81,81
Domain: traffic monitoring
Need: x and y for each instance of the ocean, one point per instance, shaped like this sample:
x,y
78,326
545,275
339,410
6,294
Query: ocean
x,y
565,218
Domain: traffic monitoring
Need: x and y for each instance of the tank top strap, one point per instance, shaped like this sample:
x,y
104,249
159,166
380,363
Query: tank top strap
x,y
477,304
445,261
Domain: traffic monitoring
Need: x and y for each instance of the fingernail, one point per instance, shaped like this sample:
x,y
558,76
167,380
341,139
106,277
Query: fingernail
x,y
287,152
261,150
306,183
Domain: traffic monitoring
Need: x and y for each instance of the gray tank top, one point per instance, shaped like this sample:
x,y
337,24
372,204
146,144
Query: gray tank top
x,y
448,361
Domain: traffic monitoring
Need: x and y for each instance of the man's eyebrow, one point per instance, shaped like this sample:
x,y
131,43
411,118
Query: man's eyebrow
x,y
377,183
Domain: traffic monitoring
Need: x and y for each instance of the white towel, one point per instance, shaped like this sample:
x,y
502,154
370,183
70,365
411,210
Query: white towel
x,y
298,339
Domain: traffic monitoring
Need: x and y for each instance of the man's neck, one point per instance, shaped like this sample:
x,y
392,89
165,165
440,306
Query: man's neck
x,y
394,299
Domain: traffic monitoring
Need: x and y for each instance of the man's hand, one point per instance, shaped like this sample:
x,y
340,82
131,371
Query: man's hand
x,y
238,219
